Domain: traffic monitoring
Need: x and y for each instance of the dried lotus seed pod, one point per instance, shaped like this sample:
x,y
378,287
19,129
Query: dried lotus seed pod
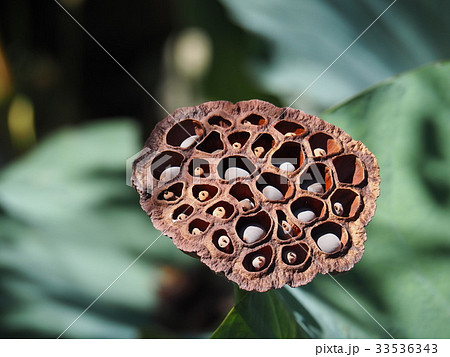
x,y
266,196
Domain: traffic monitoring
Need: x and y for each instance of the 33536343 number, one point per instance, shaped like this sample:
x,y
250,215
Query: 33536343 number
x,y
406,348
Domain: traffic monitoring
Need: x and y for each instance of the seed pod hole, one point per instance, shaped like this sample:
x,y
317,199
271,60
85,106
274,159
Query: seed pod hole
x,y
286,228
166,165
254,119
221,209
307,209
345,203
330,237
316,178
204,193
172,193
349,169
239,138
222,241
296,254
258,260
262,145
198,226
212,144
289,128
235,167
274,187
182,212
322,144
182,131
255,228
198,168
244,195
289,155
219,121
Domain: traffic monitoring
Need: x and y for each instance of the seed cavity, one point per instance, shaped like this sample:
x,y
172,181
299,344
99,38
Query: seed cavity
x,y
199,171
169,195
259,151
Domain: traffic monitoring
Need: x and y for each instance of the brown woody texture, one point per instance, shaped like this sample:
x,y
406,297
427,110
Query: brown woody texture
x,y
247,226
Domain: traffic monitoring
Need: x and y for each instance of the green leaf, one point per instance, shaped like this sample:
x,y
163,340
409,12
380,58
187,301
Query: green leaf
x,y
260,315
69,226
402,280
306,36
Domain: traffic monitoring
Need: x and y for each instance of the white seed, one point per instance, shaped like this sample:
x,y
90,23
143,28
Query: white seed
x,y
198,171
291,257
235,172
258,262
181,216
329,243
287,166
259,151
246,204
305,215
196,232
253,234
319,152
203,195
188,142
316,188
237,145
219,212
223,241
290,134
272,193
246,122
338,208
287,228
168,195
169,173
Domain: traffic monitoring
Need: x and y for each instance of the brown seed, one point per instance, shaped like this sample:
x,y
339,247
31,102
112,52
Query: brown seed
x,y
168,195
291,257
338,208
223,241
219,212
258,262
196,232
203,195
198,171
259,151
319,152
181,216
237,145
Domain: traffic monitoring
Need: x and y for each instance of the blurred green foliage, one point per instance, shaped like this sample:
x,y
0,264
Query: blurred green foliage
x,y
69,225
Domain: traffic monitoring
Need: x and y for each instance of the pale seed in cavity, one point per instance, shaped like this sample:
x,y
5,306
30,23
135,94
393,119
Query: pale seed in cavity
x,y
287,166
246,204
219,212
319,152
291,257
223,241
287,228
196,232
305,215
246,122
168,195
181,216
198,171
290,134
203,195
188,142
169,173
316,188
329,243
338,208
258,262
272,193
235,172
259,151
253,234
236,146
